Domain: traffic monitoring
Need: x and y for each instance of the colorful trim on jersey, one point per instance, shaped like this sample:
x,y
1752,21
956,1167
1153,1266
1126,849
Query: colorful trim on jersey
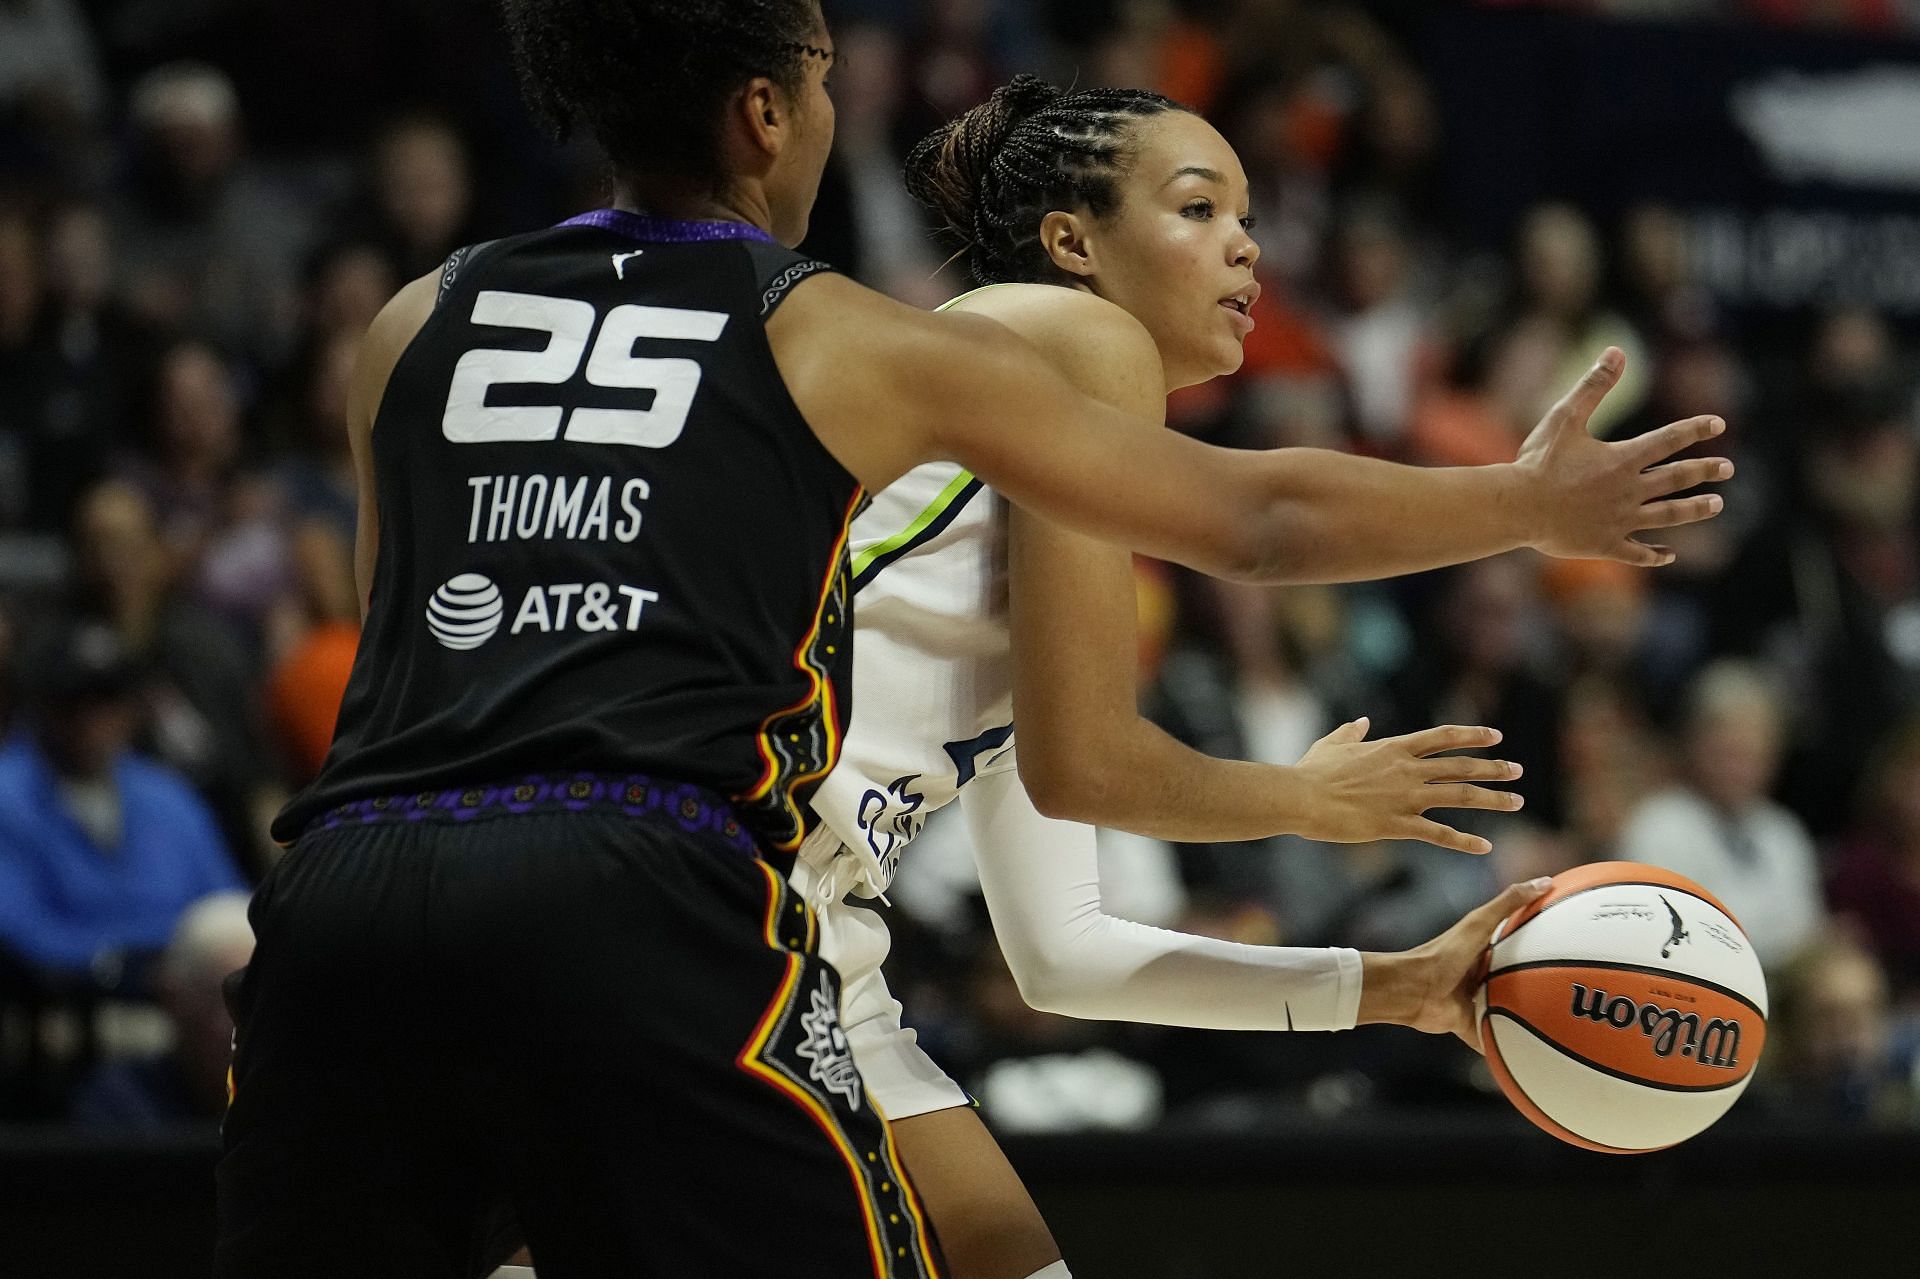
x,y
800,744
692,809
798,1049
929,524
652,230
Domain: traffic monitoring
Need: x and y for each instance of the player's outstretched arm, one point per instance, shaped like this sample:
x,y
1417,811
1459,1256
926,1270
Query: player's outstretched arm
x,y
887,387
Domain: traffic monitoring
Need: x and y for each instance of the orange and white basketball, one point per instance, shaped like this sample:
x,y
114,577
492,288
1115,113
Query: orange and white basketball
x,y
1624,1010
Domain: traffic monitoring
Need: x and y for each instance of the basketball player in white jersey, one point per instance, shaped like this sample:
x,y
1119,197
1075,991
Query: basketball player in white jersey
x,y
971,615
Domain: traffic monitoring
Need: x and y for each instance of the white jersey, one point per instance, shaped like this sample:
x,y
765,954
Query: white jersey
x,y
933,715
932,680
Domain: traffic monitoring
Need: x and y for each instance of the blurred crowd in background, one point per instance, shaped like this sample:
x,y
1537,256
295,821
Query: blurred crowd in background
x,y
204,202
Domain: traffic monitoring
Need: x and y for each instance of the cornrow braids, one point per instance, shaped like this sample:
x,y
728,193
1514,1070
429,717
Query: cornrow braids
x,y
992,174
648,78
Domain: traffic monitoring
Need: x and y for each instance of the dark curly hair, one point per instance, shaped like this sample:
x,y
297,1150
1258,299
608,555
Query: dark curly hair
x,y
648,78
995,172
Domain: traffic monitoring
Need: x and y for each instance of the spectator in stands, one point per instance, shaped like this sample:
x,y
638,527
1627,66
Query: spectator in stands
x,y
1718,827
225,527
1380,334
51,94
23,384
188,1083
1620,667
88,354
100,848
347,284
1875,884
893,252
318,479
198,680
1487,665
203,241
1850,566
1658,294
422,194
1835,1057
1560,324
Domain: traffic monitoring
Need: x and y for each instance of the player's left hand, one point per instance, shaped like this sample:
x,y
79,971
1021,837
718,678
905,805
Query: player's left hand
x,y
1594,495
1360,791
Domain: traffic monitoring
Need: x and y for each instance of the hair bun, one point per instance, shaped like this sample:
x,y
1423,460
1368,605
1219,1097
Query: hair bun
x,y
948,171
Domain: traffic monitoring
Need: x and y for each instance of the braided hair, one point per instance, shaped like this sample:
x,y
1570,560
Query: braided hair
x,y
995,172
648,78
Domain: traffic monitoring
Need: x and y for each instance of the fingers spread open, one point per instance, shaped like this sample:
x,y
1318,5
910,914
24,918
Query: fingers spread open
x,y
1450,737
1433,832
1657,446
1676,476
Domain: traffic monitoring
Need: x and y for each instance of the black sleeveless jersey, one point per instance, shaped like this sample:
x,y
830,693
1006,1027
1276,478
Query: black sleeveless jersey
x,y
608,540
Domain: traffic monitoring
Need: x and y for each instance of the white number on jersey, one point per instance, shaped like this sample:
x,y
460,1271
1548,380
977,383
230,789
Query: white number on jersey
x,y
568,324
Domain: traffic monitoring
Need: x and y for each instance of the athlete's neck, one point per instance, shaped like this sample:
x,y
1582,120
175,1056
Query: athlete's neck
x,y
1166,373
686,201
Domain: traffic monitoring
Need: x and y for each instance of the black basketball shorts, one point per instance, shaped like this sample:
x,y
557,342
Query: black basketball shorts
x,y
606,1028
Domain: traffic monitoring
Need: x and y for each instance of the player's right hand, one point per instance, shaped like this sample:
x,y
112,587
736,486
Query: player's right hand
x,y
1363,791
1594,495
1431,987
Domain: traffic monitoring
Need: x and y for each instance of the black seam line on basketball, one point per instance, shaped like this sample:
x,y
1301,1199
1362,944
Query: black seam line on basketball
x,y
1597,888
934,529
1649,971
1622,1075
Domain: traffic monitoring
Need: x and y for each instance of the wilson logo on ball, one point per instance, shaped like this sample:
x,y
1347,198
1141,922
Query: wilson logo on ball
x,y
1669,1028
466,612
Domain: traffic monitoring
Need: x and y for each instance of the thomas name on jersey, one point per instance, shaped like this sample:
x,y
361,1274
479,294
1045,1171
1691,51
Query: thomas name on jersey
x,y
540,507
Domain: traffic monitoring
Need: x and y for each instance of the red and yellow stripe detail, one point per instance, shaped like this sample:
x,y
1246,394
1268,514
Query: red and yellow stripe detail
x,y
821,694
750,1060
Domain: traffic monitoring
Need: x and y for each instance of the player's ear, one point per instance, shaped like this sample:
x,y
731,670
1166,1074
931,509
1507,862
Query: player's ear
x,y
764,113
1064,238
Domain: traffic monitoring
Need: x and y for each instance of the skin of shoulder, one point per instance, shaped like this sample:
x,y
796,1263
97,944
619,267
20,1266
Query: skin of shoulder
x,y
1009,352
1098,346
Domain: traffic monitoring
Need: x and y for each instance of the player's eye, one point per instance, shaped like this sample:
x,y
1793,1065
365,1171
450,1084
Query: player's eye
x,y
1198,210
1248,223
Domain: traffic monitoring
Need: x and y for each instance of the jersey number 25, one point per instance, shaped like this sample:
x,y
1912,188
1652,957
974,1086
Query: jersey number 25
x,y
568,324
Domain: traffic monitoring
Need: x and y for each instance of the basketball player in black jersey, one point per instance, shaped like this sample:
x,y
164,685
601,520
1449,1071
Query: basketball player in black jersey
x,y
531,946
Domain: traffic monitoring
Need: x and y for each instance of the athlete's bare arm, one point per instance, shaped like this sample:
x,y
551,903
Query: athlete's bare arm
x,y
388,336
1073,624
887,386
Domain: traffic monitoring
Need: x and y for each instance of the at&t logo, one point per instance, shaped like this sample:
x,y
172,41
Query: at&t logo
x,y
465,613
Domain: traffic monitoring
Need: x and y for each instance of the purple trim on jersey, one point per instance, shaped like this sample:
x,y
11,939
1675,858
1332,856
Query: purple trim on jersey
x,y
651,230
692,808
